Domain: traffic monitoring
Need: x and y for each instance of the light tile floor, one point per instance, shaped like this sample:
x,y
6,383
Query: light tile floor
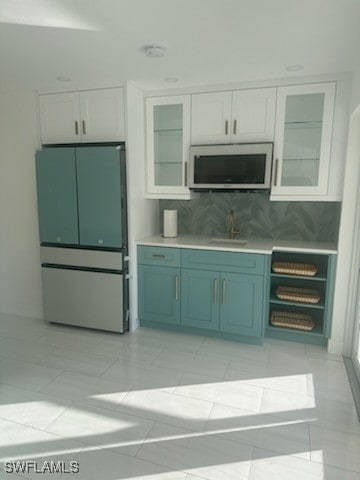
x,y
156,405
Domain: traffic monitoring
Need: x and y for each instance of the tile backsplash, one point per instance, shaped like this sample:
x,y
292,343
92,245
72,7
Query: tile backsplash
x,y
256,216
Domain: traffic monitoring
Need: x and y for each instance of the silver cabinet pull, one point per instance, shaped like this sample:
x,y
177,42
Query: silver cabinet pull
x,y
185,174
100,241
176,287
234,130
158,255
215,299
76,127
226,127
276,172
83,127
223,297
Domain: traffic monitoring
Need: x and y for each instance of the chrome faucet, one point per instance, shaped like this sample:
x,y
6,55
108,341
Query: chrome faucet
x,y
232,230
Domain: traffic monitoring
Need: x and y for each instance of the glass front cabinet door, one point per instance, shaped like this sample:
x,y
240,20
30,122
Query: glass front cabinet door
x,y
168,141
303,131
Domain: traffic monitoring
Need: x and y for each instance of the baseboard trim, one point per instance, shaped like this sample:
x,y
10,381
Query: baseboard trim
x,y
354,383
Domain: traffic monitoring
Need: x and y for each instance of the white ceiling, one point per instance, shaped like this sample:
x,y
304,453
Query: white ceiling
x,y
100,42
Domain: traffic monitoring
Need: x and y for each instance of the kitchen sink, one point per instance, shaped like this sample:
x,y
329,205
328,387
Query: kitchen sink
x,y
230,242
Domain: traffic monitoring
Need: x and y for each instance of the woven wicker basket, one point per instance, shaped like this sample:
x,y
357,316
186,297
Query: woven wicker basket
x,y
297,321
293,294
306,269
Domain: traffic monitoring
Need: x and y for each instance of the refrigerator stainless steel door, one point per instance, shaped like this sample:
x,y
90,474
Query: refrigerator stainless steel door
x,y
86,288
83,298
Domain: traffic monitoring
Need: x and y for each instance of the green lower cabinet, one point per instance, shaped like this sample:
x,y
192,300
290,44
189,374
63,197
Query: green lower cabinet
x,y
241,310
200,299
226,302
159,294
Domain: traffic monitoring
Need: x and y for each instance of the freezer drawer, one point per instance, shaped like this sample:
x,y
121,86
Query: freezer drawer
x,y
81,258
83,298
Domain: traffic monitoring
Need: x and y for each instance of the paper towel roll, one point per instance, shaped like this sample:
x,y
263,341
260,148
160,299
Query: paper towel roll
x,y
170,223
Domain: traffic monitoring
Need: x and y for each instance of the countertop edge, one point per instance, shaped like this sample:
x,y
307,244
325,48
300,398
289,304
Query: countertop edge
x,y
268,250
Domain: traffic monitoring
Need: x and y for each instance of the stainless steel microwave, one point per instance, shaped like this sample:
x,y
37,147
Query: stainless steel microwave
x,y
230,167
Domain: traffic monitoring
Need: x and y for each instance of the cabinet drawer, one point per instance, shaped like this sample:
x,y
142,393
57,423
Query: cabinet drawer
x,y
159,256
224,261
82,298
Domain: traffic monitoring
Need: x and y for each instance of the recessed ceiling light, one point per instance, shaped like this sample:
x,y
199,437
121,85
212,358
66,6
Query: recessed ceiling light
x,y
155,50
171,80
62,78
294,68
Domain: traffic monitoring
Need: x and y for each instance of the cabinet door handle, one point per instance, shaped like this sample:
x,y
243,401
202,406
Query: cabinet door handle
x,y
83,127
223,296
185,174
226,127
234,130
158,255
276,172
215,292
176,287
76,128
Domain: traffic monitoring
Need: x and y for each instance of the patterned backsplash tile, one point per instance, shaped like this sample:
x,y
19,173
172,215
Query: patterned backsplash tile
x,y
256,216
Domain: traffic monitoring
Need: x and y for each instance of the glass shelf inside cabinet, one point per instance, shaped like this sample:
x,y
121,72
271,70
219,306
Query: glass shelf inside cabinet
x,y
170,130
168,144
300,172
302,140
303,125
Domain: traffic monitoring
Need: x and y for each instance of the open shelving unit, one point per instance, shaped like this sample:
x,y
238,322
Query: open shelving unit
x,y
322,282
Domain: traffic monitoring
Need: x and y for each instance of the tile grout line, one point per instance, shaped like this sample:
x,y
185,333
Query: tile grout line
x,y
251,462
57,416
208,417
30,427
310,448
227,369
262,399
108,368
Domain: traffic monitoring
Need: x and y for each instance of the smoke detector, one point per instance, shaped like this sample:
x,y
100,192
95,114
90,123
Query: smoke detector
x,y
154,50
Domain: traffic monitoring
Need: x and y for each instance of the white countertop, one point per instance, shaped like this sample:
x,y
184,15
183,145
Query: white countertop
x,y
253,245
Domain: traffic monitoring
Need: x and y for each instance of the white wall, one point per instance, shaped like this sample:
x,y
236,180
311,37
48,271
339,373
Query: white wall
x,y
20,276
348,246
143,213
355,91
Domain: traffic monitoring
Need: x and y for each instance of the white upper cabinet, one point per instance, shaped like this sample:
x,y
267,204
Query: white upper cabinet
x,y
253,115
102,115
87,116
233,117
303,136
167,146
210,118
60,118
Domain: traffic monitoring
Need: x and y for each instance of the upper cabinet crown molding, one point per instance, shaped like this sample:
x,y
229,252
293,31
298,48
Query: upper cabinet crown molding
x,y
86,116
233,116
